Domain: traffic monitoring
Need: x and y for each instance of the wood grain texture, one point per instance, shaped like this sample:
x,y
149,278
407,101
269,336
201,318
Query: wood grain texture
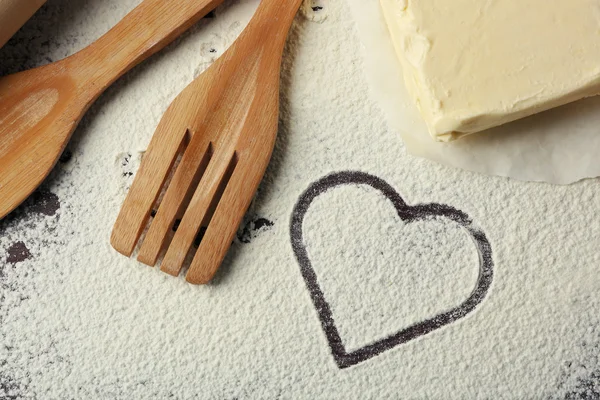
x,y
13,14
40,108
231,113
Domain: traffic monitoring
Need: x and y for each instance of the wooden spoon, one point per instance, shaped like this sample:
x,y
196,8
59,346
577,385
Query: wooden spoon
x,y
223,126
40,108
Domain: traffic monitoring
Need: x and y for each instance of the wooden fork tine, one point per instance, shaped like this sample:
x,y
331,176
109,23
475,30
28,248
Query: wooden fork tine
x,y
193,163
215,176
149,180
226,221
255,148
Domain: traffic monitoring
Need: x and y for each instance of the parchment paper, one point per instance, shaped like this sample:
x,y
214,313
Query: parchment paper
x,y
559,146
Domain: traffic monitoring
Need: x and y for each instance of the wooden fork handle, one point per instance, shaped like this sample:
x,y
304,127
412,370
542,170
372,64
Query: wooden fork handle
x,y
144,31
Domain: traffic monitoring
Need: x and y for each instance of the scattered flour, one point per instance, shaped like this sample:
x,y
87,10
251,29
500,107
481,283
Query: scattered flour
x,y
79,321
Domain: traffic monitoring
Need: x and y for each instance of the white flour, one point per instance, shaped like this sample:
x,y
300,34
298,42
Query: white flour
x,y
407,272
79,321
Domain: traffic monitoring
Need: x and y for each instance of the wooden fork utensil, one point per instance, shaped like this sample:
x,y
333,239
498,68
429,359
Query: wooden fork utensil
x,y
40,108
210,150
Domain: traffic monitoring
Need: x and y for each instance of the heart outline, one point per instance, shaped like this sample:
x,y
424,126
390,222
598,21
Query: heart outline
x,y
407,213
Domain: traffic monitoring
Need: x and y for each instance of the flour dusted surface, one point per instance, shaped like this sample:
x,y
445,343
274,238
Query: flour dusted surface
x,y
383,274
78,320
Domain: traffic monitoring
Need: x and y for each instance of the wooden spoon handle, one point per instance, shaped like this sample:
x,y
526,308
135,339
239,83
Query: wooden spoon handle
x,y
144,31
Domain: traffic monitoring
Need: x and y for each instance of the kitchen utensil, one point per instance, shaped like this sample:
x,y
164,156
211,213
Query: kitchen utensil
x,y
40,108
220,132
13,14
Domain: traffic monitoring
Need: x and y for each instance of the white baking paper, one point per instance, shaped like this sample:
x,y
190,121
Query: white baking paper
x,y
559,146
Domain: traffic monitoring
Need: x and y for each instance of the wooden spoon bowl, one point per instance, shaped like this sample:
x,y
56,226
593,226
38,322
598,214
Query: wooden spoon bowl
x,y
36,119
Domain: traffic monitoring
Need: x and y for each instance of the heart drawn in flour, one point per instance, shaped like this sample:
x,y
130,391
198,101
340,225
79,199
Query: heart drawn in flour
x,y
407,214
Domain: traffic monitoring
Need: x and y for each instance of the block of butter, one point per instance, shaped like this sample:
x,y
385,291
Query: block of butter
x,y
471,65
